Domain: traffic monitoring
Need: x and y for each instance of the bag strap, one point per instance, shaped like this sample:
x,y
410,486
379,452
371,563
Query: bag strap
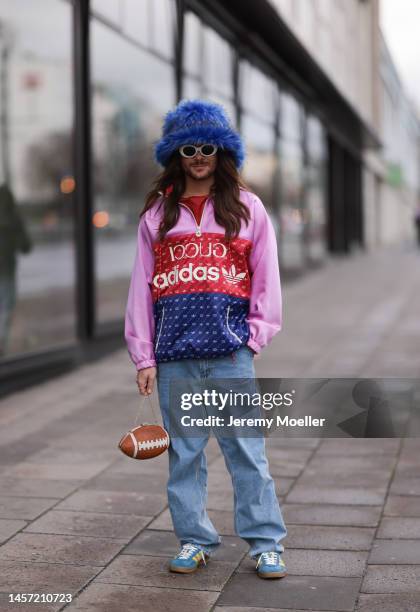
x,y
144,399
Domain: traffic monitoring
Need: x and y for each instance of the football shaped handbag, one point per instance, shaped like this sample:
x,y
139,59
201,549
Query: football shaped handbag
x,y
146,440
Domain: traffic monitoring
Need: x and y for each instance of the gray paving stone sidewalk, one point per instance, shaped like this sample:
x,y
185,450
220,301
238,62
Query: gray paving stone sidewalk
x,y
78,517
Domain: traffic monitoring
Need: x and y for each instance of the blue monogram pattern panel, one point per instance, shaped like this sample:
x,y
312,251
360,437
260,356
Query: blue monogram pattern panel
x,y
199,325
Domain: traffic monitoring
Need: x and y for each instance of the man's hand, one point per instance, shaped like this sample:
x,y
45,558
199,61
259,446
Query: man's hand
x,y
146,380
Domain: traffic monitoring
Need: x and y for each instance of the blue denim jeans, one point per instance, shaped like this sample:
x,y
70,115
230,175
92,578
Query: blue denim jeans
x,y
258,518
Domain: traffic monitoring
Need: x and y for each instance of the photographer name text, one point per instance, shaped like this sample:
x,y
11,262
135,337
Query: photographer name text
x,y
280,421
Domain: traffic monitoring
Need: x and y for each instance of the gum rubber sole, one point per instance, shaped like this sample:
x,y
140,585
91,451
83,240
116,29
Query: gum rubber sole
x,y
272,575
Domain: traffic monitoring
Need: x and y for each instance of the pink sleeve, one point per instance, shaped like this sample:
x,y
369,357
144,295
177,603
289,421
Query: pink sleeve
x,y
265,308
139,320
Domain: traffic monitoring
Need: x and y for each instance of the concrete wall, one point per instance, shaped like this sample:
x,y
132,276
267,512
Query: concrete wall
x,y
345,39
338,34
400,133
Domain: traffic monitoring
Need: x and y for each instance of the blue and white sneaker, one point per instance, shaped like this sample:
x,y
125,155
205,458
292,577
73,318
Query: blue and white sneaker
x,y
190,557
270,565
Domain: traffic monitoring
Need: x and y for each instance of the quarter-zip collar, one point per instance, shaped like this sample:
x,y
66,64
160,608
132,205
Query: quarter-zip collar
x,y
198,231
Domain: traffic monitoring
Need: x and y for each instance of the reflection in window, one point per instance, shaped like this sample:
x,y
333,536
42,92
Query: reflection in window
x,y
292,183
192,88
193,45
208,60
37,274
217,68
137,21
258,92
149,22
131,91
260,161
316,189
163,26
112,10
259,97
291,122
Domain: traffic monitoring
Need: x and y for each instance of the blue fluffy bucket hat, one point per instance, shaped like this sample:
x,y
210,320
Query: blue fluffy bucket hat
x,y
197,122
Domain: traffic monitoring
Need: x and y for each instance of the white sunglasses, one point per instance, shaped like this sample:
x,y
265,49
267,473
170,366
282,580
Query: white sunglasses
x,y
207,150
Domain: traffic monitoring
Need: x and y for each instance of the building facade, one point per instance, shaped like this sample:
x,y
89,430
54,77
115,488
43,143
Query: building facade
x,y
83,90
400,133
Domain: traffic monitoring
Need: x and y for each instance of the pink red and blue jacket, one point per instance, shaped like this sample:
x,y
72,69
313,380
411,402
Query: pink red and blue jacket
x,y
194,294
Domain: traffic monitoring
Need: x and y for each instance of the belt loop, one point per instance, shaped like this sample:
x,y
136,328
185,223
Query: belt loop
x,y
233,356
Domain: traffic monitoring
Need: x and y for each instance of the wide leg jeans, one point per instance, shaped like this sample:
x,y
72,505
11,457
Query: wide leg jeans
x,y
257,514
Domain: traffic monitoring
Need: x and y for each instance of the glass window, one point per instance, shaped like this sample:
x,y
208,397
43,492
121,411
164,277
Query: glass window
x,y
316,189
258,99
150,22
163,25
131,92
137,21
291,118
193,47
315,138
209,58
217,64
37,258
260,162
110,9
292,184
192,88
258,92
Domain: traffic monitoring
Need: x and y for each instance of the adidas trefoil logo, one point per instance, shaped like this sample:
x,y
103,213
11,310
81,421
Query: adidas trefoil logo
x,y
231,276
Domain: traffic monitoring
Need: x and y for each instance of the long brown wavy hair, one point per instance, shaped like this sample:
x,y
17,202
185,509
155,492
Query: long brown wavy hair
x,y
228,208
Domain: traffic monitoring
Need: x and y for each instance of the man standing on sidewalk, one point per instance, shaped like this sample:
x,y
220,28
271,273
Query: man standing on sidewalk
x,y
204,298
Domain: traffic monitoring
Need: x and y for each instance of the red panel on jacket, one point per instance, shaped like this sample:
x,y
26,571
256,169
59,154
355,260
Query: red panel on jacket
x,y
208,264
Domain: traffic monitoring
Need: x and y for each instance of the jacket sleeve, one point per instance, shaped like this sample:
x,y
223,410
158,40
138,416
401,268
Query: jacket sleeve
x,y
139,327
265,309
